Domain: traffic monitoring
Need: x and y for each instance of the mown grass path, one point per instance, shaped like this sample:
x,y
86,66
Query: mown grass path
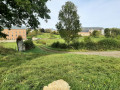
x,y
101,53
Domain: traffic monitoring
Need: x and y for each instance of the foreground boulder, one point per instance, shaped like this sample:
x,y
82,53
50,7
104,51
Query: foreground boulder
x,y
57,85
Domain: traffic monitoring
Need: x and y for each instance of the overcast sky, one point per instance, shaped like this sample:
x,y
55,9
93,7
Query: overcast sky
x,y
93,13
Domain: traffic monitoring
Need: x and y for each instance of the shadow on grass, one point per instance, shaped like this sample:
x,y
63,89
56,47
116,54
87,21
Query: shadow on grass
x,y
15,58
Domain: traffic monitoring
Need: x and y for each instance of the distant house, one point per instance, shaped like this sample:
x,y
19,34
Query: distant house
x,y
15,32
86,31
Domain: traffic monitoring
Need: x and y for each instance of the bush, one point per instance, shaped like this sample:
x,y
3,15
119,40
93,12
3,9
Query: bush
x,y
118,37
87,39
91,46
29,44
96,33
29,38
75,45
59,45
55,45
63,46
108,44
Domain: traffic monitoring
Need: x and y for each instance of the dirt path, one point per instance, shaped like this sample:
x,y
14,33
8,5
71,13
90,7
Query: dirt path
x,y
101,53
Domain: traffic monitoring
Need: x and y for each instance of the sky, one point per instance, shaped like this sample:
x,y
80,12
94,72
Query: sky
x,y
93,13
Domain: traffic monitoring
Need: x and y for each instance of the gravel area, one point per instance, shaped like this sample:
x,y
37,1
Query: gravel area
x,y
101,53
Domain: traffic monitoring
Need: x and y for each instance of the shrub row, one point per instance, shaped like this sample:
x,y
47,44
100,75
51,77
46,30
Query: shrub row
x,y
105,44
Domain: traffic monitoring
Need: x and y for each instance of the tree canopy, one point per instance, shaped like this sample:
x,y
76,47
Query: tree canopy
x,y
22,12
69,24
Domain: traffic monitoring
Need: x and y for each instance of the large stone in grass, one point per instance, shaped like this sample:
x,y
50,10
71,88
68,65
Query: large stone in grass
x,y
21,46
57,85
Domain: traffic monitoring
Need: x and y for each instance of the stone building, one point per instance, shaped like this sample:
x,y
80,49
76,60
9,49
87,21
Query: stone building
x,y
86,31
15,32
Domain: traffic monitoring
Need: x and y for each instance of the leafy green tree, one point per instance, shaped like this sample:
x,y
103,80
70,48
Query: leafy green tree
x,y
32,34
115,32
96,33
69,24
107,32
19,12
28,31
42,30
48,30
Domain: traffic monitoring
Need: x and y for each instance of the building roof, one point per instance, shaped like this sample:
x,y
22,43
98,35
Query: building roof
x,y
86,29
15,27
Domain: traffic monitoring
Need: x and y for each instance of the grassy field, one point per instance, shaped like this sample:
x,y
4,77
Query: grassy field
x,y
34,69
9,45
47,35
46,38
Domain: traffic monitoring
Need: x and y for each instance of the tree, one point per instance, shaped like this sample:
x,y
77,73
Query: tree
x,y
107,32
19,12
48,30
42,30
96,33
69,24
115,32
33,33
28,31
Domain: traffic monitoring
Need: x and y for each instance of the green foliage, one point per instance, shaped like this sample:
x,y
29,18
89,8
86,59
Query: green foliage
x,y
59,45
48,36
88,44
19,12
34,33
2,35
42,30
77,45
48,30
55,32
115,32
28,31
107,32
52,36
91,46
29,38
118,37
87,39
69,24
110,44
29,44
95,33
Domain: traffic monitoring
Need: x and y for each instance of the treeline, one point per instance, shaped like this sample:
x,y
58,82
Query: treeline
x,y
112,32
32,33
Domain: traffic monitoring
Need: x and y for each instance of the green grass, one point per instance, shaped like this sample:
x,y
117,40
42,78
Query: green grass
x,y
34,69
9,45
47,35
